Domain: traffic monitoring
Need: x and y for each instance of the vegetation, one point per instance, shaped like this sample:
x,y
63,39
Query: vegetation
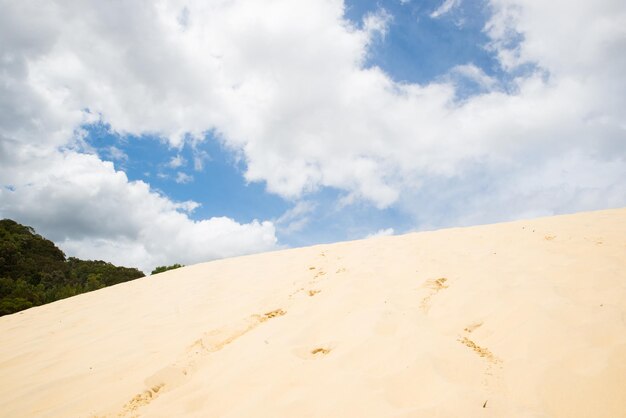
x,y
34,271
161,269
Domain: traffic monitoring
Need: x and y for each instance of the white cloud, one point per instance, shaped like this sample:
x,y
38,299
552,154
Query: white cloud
x,y
117,154
377,23
177,161
183,178
475,74
199,157
93,211
295,218
444,8
283,85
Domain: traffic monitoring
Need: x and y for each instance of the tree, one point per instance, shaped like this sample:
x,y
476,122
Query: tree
x,y
161,269
34,271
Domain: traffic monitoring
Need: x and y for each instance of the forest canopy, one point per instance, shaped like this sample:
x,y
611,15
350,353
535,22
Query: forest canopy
x,y
34,271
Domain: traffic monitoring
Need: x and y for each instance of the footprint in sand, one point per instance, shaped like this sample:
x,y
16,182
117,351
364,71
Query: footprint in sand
x,y
141,399
435,286
308,353
314,292
272,314
295,292
481,351
472,327
494,364
175,374
319,274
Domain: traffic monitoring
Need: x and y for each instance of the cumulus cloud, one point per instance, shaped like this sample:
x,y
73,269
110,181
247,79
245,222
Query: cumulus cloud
x,y
94,211
285,86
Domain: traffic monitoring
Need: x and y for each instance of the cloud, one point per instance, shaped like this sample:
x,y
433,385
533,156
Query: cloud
x,y
117,154
177,161
474,74
377,23
199,158
183,178
285,86
444,8
296,218
93,211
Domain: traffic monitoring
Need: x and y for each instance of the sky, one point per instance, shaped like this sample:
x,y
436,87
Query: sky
x,y
148,133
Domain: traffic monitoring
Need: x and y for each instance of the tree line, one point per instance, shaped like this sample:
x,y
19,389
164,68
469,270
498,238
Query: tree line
x,y
161,269
34,271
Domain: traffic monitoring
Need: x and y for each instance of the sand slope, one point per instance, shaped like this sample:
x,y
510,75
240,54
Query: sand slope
x,y
524,319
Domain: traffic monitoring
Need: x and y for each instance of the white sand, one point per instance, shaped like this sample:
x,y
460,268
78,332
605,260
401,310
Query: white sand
x,y
524,319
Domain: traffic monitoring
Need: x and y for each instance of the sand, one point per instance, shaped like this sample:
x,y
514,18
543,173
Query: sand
x,y
523,319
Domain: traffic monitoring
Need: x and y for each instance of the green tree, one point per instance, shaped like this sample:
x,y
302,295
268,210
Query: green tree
x,y
94,282
34,271
161,269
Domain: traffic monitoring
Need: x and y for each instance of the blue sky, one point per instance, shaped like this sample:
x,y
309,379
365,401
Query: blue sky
x,y
220,188
419,48
218,184
193,130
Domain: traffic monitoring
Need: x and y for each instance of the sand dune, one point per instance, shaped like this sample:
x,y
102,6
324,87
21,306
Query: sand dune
x,y
523,319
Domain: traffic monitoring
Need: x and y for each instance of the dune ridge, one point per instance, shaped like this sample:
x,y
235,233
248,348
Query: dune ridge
x,y
520,319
